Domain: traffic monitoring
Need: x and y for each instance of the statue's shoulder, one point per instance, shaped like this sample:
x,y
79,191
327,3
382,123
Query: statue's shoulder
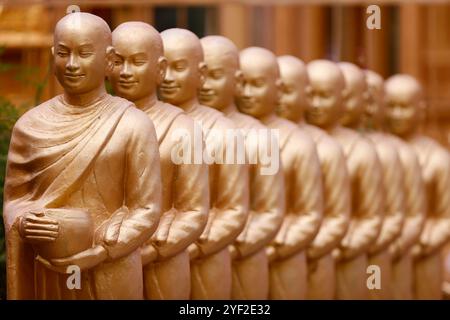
x,y
36,113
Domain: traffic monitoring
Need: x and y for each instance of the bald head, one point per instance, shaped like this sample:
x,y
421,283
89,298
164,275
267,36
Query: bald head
x,y
222,60
327,82
294,78
404,104
354,94
139,65
321,72
259,58
260,75
82,53
182,40
83,24
354,77
131,33
374,106
221,50
403,85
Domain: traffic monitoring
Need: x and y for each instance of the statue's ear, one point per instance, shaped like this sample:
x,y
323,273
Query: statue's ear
x,y
161,69
52,49
110,54
239,79
203,70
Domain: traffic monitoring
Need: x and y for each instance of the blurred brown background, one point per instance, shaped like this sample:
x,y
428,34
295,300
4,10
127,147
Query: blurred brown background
x,y
414,37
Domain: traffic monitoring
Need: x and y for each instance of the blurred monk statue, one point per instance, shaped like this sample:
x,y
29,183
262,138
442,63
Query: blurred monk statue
x,y
335,181
405,105
301,166
139,67
400,285
83,184
392,176
250,263
211,273
325,110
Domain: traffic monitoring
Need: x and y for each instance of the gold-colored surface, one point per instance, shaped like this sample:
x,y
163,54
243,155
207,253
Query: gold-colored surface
x,y
328,89
301,167
211,271
138,69
336,186
84,150
251,266
405,107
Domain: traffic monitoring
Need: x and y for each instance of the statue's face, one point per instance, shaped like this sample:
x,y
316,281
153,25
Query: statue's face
x,y
353,98
135,71
259,93
402,110
219,87
292,96
80,58
374,98
324,107
183,77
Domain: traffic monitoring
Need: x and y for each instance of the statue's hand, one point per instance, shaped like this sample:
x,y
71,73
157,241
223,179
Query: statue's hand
x,y
85,260
271,253
35,227
148,254
194,251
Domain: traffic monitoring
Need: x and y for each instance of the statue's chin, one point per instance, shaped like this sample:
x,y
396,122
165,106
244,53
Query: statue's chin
x,y
75,233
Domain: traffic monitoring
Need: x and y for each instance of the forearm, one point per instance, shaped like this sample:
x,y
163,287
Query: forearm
x,y
362,233
435,234
300,233
390,230
222,230
331,233
135,229
261,228
184,229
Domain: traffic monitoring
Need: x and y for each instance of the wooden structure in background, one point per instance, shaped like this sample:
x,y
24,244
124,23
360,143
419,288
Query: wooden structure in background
x,y
414,38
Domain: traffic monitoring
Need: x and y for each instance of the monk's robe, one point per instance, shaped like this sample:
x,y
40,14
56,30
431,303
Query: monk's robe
x,y
102,158
415,211
393,215
211,273
336,215
435,164
365,222
185,205
304,209
251,267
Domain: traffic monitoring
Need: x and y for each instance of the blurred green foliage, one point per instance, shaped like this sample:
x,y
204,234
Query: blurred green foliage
x,y
9,113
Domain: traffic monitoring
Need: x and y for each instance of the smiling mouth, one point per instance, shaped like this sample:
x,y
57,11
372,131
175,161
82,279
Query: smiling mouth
x,y
127,84
169,90
206,96
73,76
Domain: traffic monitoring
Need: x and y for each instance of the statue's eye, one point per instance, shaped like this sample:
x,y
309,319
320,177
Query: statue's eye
x,y
86,54
63,53
139,62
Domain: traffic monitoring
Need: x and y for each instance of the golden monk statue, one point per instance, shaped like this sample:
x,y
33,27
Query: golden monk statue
x,y
139,68
404,103
211,272
335,181
356,94
303,184
250,263
83,185
325,110
400,283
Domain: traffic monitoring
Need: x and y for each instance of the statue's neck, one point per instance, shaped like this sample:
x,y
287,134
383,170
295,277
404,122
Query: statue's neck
x,y
229,109
188,105
266,119
85,99
146,102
